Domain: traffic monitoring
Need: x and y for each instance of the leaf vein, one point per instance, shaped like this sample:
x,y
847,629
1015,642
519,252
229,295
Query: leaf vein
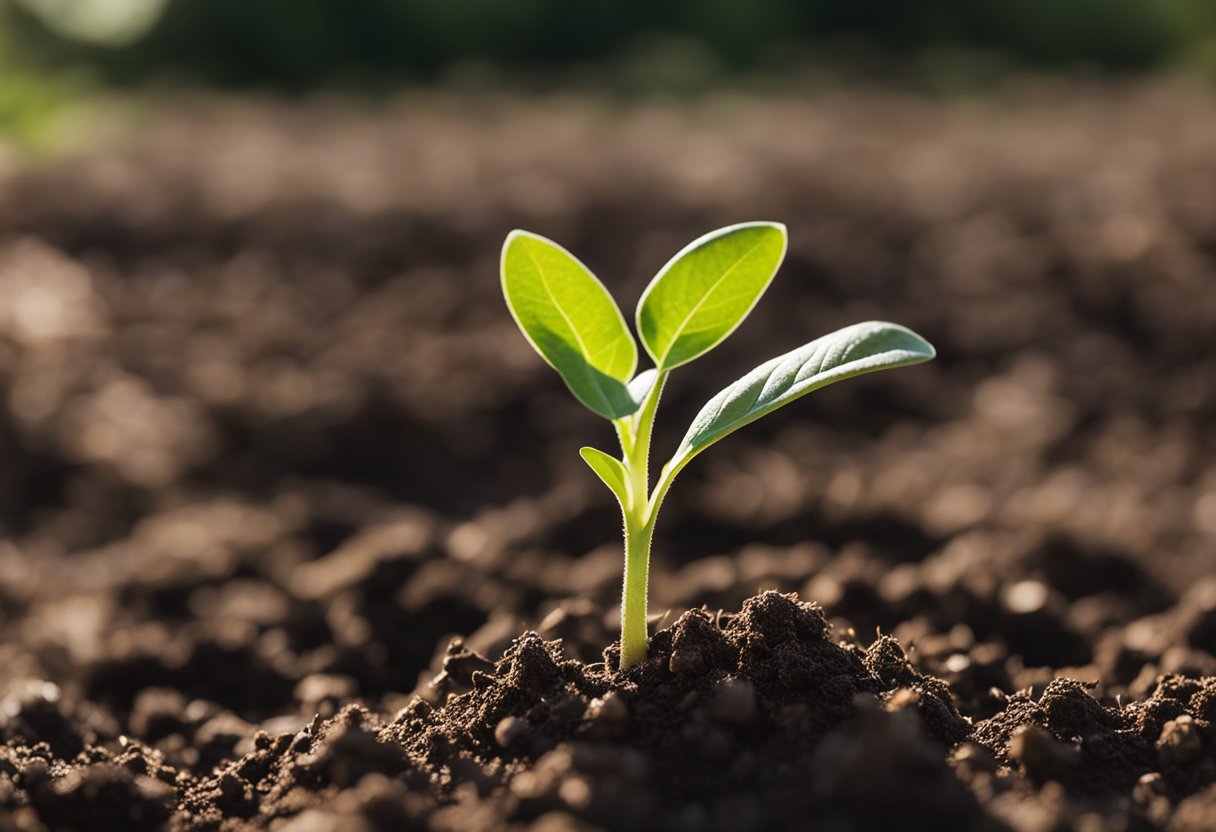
x,y
684,323
595,382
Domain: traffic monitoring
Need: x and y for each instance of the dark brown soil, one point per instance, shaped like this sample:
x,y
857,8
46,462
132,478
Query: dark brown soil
x,y
296,536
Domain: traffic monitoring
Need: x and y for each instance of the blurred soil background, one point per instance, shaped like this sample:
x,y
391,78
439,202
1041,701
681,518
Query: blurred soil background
x,y
269,438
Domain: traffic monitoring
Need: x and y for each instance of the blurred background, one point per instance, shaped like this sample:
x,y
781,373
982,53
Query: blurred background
x,y
268,436
52,49
382,42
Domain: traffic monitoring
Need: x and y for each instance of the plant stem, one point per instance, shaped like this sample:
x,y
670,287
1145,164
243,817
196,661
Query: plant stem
x,y
639,526
634,635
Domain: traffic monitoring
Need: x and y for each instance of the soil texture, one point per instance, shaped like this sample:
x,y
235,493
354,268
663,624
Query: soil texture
x,y
296,536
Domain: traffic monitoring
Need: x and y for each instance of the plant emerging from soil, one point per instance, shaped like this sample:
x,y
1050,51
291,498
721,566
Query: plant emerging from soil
x,y
693,303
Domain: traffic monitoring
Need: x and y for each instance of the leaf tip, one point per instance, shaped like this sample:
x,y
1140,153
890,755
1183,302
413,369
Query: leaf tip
x,y
763,225
784,234
921,345
512,236
910,341
517,234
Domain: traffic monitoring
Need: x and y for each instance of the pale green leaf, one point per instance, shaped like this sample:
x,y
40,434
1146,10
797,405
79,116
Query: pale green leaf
x,y
706,290
571,320
852,351
641,384
607,468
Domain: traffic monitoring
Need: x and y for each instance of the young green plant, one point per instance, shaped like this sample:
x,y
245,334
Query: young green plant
x,y
691,306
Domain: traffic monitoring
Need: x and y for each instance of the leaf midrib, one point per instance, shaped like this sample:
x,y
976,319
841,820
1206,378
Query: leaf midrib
x,y
680,329
570,325
751,412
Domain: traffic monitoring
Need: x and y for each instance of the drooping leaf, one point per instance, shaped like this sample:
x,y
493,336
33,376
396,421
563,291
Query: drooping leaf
x,y
852,351
707,289
607,468
571,320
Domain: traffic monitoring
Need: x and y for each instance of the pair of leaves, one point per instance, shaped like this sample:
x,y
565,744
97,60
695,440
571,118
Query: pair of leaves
x,y
693,303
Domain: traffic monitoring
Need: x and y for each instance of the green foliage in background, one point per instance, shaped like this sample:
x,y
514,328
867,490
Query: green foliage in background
x,y
31,100
28,106
303,43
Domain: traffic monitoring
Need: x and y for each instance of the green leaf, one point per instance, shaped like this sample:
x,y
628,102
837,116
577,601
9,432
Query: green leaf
x,y
609,469
705,291
571,320
852,351
641,384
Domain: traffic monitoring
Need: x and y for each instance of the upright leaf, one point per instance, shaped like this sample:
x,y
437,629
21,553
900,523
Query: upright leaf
x,y
571,320
852,351
705,291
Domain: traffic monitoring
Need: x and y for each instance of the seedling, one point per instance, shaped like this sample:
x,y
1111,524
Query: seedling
x,y
694,302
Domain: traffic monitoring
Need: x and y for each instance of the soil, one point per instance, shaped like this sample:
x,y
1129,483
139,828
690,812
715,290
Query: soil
x,y
296,536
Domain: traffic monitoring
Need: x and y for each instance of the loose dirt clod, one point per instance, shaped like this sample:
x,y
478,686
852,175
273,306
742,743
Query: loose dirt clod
x,y
780,722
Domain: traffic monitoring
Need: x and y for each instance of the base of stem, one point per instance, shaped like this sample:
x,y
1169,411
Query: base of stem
x,y
635,636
